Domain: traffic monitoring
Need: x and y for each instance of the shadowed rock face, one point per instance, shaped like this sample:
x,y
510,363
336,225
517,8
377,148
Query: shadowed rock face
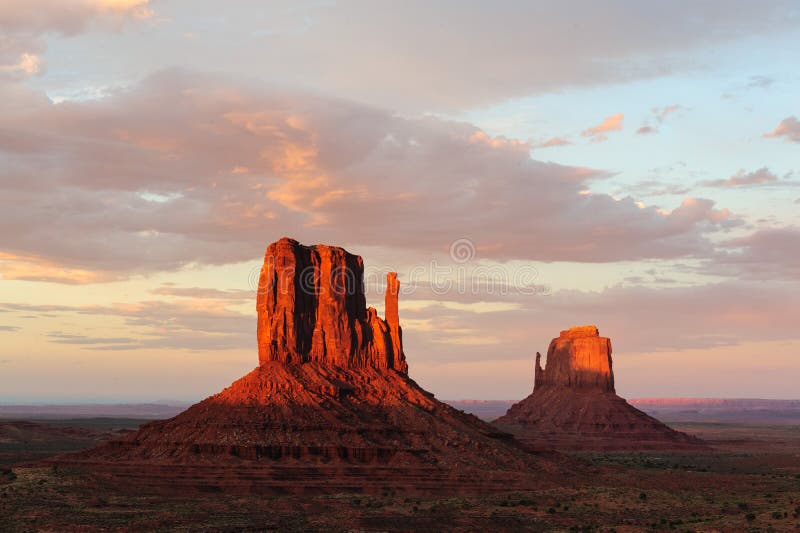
x,y
311,307
574,404
578,358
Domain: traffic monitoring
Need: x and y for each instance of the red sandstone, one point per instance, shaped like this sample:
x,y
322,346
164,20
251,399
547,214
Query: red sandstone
x,y
574,404
311,307
330,407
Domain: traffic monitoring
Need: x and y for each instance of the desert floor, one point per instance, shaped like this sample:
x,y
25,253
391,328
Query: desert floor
x,y
749,481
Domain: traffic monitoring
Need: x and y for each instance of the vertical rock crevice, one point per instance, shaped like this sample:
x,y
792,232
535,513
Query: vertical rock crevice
x,y
311,307
578,358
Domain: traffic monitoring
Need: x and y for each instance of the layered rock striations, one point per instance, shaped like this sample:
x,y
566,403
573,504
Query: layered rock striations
x,y
574,404
330,407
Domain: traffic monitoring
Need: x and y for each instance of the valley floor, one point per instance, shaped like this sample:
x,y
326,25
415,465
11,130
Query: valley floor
x,y
750,481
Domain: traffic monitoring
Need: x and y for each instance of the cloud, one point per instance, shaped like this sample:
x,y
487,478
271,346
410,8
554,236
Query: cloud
x,y
65,17
762,176
652,319
553,141
760,82
659,115
27,65
64,338
184,325
37,268
662,113
767,254
655,187
788,129
424,56
458,327
639,319
23,23
8,328
142,181
609,124
205,293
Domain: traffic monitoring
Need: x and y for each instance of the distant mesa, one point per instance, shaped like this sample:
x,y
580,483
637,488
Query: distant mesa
x,y
574,405
330,408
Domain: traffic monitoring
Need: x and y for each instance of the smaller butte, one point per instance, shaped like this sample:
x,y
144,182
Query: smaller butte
x,y
574,405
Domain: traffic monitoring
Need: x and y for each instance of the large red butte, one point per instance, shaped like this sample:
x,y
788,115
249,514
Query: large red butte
x,y
330,407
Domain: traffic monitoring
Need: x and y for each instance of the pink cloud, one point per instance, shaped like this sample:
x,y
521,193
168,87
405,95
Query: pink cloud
x,y
553,141
766,254
662,113
142,182
619,42
23,23
609,124
659,115
65,17
788,129
762,176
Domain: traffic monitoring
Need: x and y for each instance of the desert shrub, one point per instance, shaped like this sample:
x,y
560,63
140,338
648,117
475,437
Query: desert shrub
x,y
750,517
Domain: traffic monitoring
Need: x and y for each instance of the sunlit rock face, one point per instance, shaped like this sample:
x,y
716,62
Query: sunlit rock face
x,y
311,307
329,408
578,358
574,404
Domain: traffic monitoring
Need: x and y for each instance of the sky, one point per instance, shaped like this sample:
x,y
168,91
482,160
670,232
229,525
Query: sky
x,y
525,167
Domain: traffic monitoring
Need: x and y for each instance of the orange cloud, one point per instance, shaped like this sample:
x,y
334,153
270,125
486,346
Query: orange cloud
x,y
136,8
598,133
30,268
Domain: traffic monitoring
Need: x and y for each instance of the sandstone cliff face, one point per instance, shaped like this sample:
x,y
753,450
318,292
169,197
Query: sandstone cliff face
x,y
311,307
330,407
578,358
574,404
